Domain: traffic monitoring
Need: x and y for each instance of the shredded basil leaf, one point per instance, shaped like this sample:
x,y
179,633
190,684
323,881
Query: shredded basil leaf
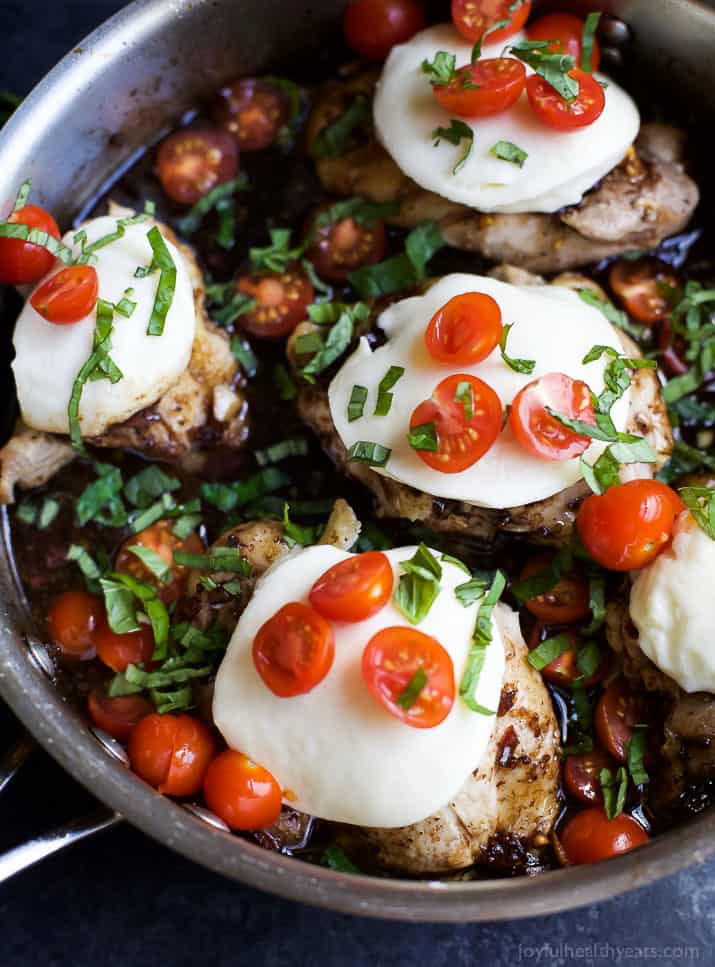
x,y
277,256
219,559
123,609
597,603
470,592
220,199
400,271
243,352
384,396
481,640
442,70
333,140
148,485
549,650
294,533
614,791
555,68
457,132
465,395
424,437
615,316
167,282
546,580
228,497
153,562
413,689
507,151
356,403
292,447
84,560
373,454
335,859
26,512
700,501
588,659
449,559
167,507
185,525
589,32
359,209
635,752
101,501
418,586
338,340
35,236
518,365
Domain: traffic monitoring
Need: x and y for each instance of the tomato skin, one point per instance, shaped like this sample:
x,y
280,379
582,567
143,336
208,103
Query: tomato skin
x,y
340,248
293,651
567,601
21,262
627,527
581,775
283,300
499,82
637,285
374,27
74,619
617,713
590,836
539,432
252,111
473,17
67,296
353,589
160,539
191,162
560,114
465,330
119,651
568,29
389,661
171,753
242,793
117,716
461,443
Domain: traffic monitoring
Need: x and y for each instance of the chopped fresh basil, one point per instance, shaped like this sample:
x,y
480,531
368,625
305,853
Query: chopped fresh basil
x,y
227,303
481,640
449,559
185,525
166,506
335,859
582,710
597,603
120,590
243,352
507,151
292,447
356,403
700,501
424,437
135,679
222,200
101,501
35,236
308,343
614,789
148,485
546,580
48,512
219,559
470,592
412,690
518,365
457,132
604,473
589,32
26,512
588,659
228,497
153,562
400,271
277,256
85,562
339,338
635,753
384,396
294,533
615,316
88,251
555,68
167,282
284,383
419,585
99,365
334,139
365,451
549,650
442,70
359,209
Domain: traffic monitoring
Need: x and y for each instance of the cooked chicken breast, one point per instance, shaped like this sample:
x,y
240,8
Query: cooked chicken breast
x,y
644,200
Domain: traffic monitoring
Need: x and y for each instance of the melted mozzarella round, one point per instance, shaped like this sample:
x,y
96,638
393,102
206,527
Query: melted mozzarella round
x,y
673,608
337,753
560,167
552,326
49,357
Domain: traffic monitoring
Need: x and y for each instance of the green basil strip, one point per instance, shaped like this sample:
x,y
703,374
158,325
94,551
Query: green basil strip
x,y
481,640
589,32
167,282
635,751
335,859
518,365
412,690
588,659
153,562
35,236
48,512
365,451
418,586
214,200
84,560
550,650
545,580
334,139
228,497
465,396
154,608
400,271
99,365
457,132
442,70
614,791
449,559
700,501
119,232
615,316
384,396
243,352
553,67
507,151
294,533
470,592
119,603
292,447
356,403
424,437
277,256
220,559
597,603
148,485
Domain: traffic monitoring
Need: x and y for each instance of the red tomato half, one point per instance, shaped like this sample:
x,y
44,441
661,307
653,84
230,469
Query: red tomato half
x,y
582,775
473,17
374,27
390,661
628,526
590,836
192,162
242,793
293,651
161,539
488,87
556,112
564,670
172,753
642,287
567,601
465,330
618,711
119,651
539,432
67,296
282,301
252,111
567,32
117,716
346,245
74,619
354,589
21,262
461,442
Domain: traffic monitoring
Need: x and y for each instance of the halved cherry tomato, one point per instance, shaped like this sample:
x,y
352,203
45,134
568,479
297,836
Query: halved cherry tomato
x,y
354,589
539,432
117,716
564,670
252,111
465,330
160,539
618,711
556,112
567,601
192,162
67,296
582,775
119,651
673,348
473,17
282,300
22,262
642,287
374,27
628,526
341,247
567,32
591,836
390,661
74,619
172,753
242,793
293,651
479,90
461,441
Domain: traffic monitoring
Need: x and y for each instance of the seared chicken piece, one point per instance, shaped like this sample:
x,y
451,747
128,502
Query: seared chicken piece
x,y
30,459
645,199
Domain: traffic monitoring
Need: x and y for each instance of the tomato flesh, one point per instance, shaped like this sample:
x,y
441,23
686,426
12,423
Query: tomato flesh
x,y
171,753
119,651
473,17
354,589
618,711
590,836
566,30
562,115
628,526
642,288
374,27
117,716
74,619
345,245
465,330
282,302
293,651
567,601
390,660
242,793
67,296
582,776
251,111
160,539
487,87
461,441
539,432
22,262
192,162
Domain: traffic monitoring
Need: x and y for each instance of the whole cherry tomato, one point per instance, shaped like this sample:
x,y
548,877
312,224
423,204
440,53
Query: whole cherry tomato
x,y
556,112
465,330
161,539
541,433
117,716
353,589
67,296
487,87
473,18
282,300
293,651
192,162
242,793
374,27
590,836
22,262
171,753
74,619
119,651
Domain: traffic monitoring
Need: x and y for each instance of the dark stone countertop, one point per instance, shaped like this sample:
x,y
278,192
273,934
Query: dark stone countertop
x,y
123,901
